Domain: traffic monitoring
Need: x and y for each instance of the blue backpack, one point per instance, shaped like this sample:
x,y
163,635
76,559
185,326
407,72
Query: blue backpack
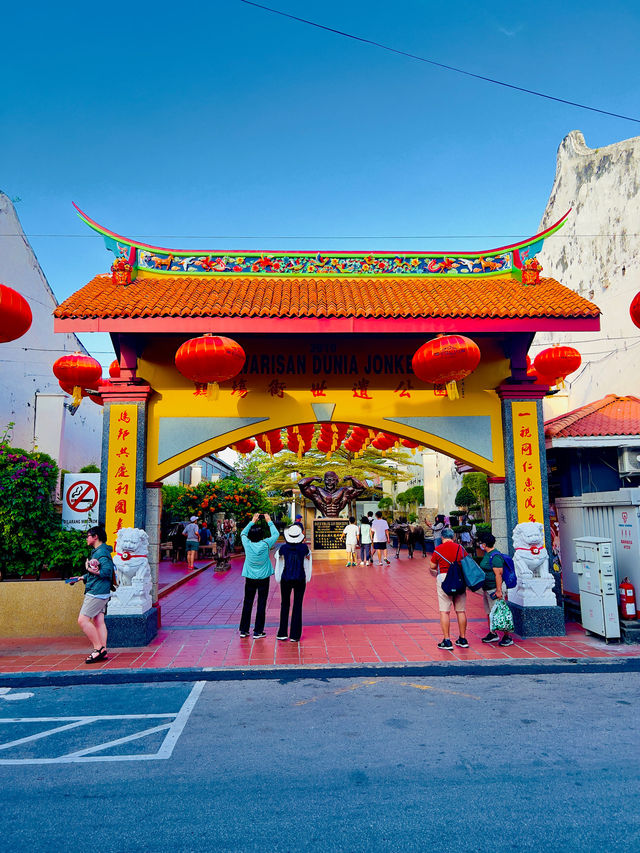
x,y
508,570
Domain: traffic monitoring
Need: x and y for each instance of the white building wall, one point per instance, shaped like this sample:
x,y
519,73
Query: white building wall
x,y
26,379
597,254
441,481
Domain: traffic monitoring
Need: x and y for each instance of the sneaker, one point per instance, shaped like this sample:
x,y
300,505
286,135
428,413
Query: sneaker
x,y
243,634
280,638
259,636
361,563
506,641
388,562
293,640
447,645
462,643
490,638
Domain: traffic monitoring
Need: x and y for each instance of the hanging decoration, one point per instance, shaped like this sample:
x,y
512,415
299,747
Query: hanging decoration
x,y
15,314
634,310
98,399
244,446
114,369
210,359
300,438
446,360
554,364
77,371
270,442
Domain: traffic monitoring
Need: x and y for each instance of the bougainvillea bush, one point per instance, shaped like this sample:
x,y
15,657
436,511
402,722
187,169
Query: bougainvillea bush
x,y
28,519
230,496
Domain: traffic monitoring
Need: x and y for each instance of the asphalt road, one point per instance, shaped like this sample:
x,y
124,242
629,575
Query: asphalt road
x,y
495,764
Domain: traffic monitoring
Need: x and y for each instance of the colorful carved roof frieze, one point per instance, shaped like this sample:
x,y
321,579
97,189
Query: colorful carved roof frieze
x,y
495,262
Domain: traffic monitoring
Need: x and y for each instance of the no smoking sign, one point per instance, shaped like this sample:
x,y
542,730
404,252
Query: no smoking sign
x,y
82,496
80,503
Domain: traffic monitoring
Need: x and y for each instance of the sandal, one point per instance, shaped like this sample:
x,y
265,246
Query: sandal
x,y
97,655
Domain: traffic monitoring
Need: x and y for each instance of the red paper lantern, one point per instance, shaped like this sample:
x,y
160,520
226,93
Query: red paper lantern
x,y
210,359
77,371
446,360
270,442
244,446
634,310
554,364
15,314
98,398
323,446
114,369
410,443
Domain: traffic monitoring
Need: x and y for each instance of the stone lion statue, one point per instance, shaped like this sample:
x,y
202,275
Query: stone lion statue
x,y
131,560
531,562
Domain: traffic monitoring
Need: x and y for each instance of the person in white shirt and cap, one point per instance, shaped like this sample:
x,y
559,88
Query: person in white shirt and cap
x,y
293,571
192,532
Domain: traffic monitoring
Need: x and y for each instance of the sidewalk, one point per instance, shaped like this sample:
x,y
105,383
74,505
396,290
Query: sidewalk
x,y
355,616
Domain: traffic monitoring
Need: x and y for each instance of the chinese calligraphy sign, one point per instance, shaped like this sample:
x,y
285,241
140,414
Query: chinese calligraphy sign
x,y
121,472
526,454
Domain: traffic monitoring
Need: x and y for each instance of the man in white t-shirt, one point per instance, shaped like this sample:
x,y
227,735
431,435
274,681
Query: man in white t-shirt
x,y
351,532
380,531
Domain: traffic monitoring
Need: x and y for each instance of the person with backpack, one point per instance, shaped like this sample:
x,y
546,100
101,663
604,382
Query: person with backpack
x,y
441,559
99,580
494,587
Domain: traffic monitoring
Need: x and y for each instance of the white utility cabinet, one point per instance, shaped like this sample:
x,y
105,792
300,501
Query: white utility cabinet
x,y
597,585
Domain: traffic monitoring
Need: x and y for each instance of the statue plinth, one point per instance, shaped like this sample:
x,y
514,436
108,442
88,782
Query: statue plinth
x,y
327,534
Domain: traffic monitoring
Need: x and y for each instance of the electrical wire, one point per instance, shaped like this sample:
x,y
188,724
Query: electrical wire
x,y
434,63
141,237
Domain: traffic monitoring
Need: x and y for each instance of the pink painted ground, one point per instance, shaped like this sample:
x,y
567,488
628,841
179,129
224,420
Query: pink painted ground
x,y
354,615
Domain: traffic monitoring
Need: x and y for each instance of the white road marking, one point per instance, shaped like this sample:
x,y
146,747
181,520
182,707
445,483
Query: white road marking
x,y
11,697
174,730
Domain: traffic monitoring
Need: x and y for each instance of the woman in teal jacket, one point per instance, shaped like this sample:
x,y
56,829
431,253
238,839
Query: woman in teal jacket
x,y
257,571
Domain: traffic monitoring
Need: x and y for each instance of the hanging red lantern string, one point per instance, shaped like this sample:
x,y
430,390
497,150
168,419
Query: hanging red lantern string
x,y
15,314
446,360
210,359
114,369
244,446
554,364
77,371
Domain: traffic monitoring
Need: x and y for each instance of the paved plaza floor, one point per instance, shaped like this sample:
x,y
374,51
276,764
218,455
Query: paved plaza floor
x,y
355,615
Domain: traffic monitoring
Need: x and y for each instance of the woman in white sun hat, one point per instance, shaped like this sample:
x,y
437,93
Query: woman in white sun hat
x,y
293,570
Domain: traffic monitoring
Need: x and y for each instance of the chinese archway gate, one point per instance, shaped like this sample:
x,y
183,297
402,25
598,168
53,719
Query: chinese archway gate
x,y
328,338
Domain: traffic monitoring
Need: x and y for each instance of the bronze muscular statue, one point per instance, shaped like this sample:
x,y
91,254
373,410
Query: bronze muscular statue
x,y
330,499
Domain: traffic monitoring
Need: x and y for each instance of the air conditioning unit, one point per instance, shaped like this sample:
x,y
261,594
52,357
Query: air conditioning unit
x,y
629,461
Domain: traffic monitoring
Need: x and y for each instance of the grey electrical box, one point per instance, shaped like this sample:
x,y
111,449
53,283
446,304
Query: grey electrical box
x,y
597,584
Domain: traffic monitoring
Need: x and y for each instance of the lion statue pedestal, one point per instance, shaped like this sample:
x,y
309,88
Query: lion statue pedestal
x,y
531,562
131,619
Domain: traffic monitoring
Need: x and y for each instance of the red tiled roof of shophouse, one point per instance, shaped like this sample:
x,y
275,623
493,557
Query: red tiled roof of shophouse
x,y
613,415
289,297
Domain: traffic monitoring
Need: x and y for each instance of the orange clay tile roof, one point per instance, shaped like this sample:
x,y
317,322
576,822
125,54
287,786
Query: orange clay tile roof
x,y
612,415
270,296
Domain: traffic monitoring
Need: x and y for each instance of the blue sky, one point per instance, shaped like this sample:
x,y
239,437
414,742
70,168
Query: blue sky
x,y
220,119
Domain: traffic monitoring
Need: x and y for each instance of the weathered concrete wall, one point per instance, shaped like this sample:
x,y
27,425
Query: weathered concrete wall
x,y
25,364
597,254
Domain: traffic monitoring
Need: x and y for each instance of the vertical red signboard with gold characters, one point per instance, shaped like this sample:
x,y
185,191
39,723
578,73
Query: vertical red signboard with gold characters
x,y
526,457
121,473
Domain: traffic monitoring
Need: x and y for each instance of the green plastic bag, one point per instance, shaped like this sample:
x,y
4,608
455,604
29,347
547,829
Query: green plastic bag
x,y
500,618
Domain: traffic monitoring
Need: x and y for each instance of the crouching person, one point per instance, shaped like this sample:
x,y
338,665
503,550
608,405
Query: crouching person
x,y
98,580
